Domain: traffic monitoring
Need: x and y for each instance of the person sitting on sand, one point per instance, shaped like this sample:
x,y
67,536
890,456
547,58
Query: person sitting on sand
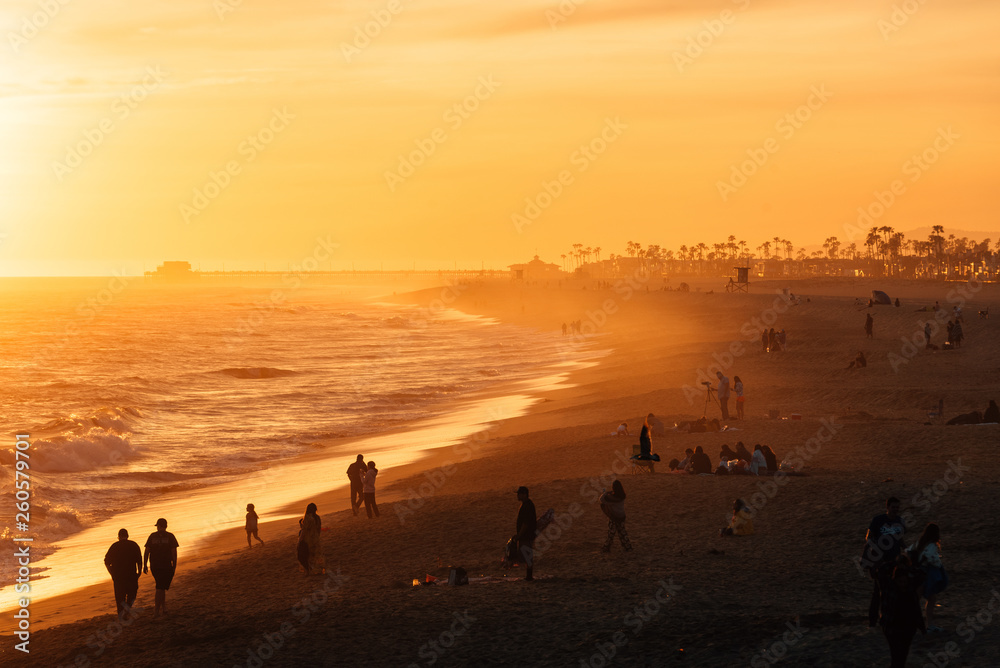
x,y
251,525
742,522
992,413
770,458
685,463
613,505
308,550
673,465
727,452
723,467
622,430
700,463
742,452
758,464
859,362
975,417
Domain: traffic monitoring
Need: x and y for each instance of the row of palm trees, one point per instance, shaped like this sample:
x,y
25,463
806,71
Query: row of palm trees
x,y
883,246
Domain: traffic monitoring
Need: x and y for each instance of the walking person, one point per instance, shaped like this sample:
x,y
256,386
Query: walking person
x,y
901,611
251,525
613,505
160,555
869,326
369,490
738,389
722,392
308,550
124,562
883,543
527,527
927,553
356,474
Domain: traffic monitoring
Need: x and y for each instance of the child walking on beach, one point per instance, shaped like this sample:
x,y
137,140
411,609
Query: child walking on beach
x,y
252,525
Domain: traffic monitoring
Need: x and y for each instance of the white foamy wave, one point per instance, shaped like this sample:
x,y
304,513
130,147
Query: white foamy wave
x,y
77,452
117,420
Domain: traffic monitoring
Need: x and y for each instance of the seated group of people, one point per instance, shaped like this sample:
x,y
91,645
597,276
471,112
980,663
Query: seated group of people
x,y
762,461
990,415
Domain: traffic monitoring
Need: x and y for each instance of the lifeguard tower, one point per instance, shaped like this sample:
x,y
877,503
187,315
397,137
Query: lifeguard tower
x,y
741,282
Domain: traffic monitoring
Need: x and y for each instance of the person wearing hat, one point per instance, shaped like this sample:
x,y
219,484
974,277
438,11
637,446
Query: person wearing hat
x,y
161,555
124,562
527,527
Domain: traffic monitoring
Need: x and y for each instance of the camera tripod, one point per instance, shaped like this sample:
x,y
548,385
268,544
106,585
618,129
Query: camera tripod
x,y
709,397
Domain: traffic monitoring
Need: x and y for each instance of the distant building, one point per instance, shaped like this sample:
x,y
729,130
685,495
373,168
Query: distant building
x,y
536,270
173,272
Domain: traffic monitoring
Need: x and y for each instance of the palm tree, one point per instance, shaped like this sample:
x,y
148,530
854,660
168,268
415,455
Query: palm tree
x,y
598,251
871,241
563,256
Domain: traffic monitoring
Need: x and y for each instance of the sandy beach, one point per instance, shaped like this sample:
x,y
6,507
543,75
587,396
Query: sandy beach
x,y
790,594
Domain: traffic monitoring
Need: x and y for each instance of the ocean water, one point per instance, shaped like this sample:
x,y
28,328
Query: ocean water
x,y
138,398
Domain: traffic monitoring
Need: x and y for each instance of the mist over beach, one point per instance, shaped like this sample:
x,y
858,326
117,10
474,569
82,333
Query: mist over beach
x,y
535,333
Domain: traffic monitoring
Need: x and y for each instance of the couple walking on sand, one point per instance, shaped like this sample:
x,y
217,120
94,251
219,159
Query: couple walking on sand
x,y
362,477
125,564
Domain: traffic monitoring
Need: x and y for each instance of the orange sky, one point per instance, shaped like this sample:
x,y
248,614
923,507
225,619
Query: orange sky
x,y
162,94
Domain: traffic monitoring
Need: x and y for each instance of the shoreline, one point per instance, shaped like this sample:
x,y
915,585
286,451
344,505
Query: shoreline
x,y
562,450
462,424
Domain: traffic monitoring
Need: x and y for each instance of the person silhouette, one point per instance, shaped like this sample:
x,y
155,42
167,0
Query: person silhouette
x,y
124,562
251,525
160,555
